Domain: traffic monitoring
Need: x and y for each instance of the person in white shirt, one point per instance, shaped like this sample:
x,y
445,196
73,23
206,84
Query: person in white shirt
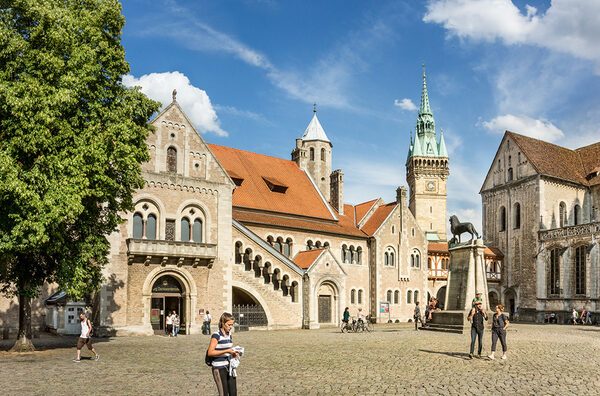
x,y
85,338
207,320
169,327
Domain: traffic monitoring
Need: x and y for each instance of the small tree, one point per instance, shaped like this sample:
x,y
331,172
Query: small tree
x,y
72,138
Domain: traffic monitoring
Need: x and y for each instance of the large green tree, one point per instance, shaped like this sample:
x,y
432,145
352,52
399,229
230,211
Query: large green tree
x,y
72,138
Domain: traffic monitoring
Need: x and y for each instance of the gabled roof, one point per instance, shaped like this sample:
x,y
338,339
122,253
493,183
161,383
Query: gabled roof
x,y
315,131
590,158
259,173
363,208
306,258
377,218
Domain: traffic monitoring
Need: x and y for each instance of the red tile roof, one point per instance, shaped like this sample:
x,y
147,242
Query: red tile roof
x,y
378,218
344,226
363,208
306,258
560,162
301,197
442,247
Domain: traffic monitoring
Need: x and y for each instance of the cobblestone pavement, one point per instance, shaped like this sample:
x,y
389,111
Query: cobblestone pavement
x,y
543,360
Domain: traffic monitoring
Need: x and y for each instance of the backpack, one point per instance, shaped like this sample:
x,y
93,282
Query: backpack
x,y
209,359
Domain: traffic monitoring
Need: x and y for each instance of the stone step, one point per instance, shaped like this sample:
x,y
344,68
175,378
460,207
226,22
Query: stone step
x,y
447,328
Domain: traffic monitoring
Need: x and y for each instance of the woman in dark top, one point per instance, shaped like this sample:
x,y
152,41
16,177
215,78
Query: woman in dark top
x,y
477,315
499,325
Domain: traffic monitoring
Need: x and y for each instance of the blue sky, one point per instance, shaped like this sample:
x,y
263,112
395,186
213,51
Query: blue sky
x,y
247,74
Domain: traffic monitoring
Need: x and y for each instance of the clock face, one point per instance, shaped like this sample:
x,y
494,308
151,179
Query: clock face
x,y
430,185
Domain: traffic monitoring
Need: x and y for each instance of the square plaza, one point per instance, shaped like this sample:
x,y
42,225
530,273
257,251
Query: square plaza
x,y
393,360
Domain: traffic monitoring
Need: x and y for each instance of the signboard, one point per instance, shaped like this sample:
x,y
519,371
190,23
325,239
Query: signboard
x,y
155,316
384,307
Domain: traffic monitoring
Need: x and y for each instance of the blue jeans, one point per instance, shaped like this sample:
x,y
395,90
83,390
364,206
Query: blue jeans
x,y
474,334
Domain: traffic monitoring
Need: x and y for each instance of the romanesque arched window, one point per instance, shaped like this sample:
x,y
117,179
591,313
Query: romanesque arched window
x,y
580,256
138,225
409,297
185,229
322,154
554,272
151,227
238,252
510,174
502,219
360,296
396,297
171,159
197,230
562,214
517,222
352,296
344,253
389,296
416,296
312,154
576,215
358,255
386,259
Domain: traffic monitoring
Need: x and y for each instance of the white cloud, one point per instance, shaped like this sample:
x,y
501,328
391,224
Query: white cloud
x,y
194,101
405,104
539,129
567,26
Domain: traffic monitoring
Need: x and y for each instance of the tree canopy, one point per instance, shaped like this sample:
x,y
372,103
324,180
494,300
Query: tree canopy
x,y
72,138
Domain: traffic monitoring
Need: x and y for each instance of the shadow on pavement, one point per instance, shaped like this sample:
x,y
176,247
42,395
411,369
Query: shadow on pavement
x,y
459,355
49,341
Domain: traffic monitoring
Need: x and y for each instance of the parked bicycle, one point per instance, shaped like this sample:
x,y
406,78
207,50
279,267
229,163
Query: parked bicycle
x,y
363,325
347,326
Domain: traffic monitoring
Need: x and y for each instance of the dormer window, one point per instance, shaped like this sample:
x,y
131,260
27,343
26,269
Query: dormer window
x,y
275,185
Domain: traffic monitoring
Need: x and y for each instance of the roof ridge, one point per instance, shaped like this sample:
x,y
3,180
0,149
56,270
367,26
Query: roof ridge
x,y
539,140
251,152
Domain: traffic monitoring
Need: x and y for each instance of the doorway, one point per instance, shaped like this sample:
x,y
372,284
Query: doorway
x,y
324,309
167,296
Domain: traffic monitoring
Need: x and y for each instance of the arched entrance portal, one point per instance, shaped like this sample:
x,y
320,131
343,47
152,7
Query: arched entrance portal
x,y
247,311
327,304
509,302
167,296
493,299
441,296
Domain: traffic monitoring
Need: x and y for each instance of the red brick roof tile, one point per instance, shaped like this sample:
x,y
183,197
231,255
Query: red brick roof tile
x,y
300,197
363,208
377,218
442,247
306,258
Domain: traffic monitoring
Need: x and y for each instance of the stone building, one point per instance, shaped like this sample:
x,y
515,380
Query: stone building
x,y
221,229
540,208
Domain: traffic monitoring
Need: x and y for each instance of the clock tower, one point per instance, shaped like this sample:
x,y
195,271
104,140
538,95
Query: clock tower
x,y
427,170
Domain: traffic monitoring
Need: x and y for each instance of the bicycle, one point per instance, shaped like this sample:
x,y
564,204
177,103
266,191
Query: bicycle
x,y
368,325
346,326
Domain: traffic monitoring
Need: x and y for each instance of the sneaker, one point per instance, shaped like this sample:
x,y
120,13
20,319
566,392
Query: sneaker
x,y
479,356
470,356
76,360
503,357
97,358
492,357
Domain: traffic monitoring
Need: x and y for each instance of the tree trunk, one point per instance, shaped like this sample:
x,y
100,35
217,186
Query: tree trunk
x,y
24,339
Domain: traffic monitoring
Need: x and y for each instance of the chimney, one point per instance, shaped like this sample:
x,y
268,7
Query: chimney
x,y
401,195
337,190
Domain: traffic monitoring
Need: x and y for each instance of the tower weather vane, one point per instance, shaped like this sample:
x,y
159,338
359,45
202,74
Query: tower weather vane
x,y
174,95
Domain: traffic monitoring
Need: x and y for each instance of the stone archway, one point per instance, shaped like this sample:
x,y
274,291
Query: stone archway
x,y
247,310
327,303
187,295
441,296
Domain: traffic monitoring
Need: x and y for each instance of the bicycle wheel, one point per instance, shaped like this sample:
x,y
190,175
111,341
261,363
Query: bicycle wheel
x,y
370,327
345,327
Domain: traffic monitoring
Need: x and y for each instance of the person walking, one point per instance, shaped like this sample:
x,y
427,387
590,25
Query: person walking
x,y
417,316
346,317
221,352
477,315
85,338
499,325
207,320
169,327
176,325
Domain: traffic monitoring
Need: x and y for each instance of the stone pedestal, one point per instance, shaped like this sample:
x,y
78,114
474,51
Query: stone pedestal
x,y
466,277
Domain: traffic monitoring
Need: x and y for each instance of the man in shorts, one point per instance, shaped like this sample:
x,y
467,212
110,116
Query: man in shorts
x,y
85,338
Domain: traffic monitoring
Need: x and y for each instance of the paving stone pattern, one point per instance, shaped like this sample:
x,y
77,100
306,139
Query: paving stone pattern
x,y
543,360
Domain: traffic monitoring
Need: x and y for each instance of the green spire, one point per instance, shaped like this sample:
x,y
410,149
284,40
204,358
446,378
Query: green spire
x,y
425,121
417,148
442,152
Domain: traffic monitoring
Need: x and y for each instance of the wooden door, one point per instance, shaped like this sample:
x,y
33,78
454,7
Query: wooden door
x,y
324,309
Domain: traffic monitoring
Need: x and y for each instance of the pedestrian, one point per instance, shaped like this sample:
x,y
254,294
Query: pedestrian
x,y
588,318
176,325
346,317
516,314
583,316
220,352
477,315
499,325
85,338
574,316
169,327
207,320
417,316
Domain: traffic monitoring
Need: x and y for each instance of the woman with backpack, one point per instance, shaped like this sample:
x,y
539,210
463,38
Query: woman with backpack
x,y
499,325
220,352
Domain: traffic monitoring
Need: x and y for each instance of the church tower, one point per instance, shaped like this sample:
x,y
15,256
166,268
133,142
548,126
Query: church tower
x,y
427,170
313,154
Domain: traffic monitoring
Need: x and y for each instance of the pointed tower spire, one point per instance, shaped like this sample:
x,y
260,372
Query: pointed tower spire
x,y
417,151
442,152
425,121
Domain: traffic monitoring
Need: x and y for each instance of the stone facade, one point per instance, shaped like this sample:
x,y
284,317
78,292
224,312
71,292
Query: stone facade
x,y
528,211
